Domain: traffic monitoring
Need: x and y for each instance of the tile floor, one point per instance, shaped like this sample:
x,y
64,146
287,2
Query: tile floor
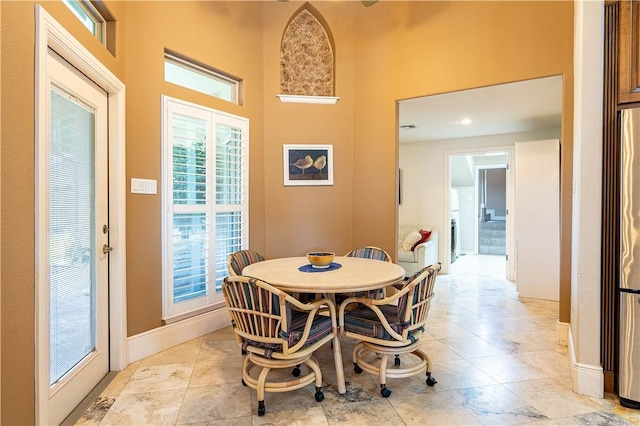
x,y
494,356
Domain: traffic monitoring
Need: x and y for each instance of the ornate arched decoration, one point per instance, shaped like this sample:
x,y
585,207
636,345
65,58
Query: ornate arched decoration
x,y
307,55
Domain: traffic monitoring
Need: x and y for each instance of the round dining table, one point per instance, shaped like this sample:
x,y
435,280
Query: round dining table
x,y
345,275
353,274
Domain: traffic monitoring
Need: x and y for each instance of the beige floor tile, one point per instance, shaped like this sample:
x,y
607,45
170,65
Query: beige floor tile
x,y
442,408
151,408
479,333
184,353
215,403
158,378
216,372
378,411
495,404
552,362
552,398
444,330
118,383
472,347
458,374
313,416
506,368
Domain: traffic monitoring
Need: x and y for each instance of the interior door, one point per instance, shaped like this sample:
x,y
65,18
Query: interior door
x,y
77,233
537,219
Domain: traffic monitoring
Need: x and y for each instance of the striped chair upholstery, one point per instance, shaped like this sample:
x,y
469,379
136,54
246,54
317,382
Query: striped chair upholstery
x,y
238,260
278,331
370,252
367,252
391,326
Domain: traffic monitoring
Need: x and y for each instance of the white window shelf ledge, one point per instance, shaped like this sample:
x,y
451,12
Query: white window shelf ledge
x,y
302,99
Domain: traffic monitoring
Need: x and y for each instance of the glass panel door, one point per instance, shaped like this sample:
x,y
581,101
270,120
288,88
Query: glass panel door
x,y
76,229
72,237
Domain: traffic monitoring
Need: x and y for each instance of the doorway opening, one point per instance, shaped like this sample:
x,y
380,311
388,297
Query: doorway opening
x,y
478,207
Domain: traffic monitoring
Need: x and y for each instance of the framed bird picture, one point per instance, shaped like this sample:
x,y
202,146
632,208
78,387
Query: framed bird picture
x,y
308,165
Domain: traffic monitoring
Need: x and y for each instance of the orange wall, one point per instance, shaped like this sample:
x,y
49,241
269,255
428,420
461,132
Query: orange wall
x,y
411,49
227,36
390,51
18,191
299,219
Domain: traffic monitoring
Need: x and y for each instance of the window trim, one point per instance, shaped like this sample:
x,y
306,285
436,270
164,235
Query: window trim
x,y
93,14
214,299
232,82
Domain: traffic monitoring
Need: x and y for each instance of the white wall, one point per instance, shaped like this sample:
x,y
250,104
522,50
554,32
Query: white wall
x,y
587,374
423,174
467,222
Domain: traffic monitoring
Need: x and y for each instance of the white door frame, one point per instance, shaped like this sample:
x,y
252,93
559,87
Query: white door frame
x,y
446,224
49,33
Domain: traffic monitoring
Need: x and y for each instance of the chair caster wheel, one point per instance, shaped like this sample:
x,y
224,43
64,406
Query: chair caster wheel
x,y
261,409
431,381
244,383
396,362
357,368
296,372
243,352
319,395
385,392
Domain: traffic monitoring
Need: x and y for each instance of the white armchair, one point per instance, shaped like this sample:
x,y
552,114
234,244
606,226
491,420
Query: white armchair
x,y
424,254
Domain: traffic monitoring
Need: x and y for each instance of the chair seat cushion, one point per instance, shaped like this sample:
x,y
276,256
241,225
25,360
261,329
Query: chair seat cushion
x,y
365,322
320,327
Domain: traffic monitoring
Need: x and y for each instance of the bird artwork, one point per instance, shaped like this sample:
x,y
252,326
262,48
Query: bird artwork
x,y
304,163
320,163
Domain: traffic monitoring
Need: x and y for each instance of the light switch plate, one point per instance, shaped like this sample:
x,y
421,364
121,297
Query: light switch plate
x,y
144,186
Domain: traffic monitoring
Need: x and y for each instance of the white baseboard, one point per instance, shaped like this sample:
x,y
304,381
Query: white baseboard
x,y
159,339
586,379
562,333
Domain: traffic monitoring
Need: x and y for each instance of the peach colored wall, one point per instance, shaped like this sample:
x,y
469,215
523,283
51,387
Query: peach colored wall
x,y
410,49
299,219
391,51
18,191
225,35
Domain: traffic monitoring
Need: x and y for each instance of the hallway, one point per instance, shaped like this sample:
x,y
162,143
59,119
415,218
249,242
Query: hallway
x,y
494,356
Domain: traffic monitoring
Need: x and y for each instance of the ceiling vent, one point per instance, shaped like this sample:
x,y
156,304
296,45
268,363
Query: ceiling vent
x,y
408,126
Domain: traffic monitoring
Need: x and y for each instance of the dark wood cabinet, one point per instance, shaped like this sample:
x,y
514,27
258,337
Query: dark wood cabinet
x,y
629,51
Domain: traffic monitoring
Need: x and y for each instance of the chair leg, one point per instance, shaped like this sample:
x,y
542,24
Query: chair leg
x,y
260,390
356,348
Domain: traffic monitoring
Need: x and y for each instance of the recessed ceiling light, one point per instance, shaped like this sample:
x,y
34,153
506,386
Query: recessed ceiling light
x,y
465,121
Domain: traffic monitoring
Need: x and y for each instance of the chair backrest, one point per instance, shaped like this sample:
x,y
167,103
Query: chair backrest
x,y
370,252
259,311
419,290
237,261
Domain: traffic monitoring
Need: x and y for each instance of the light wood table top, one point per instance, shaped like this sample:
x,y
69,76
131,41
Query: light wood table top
x,y
356,274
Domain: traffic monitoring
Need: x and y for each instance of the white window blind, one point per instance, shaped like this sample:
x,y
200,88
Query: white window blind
x,y
206,203
71,238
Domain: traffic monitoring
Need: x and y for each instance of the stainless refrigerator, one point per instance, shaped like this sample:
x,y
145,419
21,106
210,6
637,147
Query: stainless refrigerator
x,y
629,342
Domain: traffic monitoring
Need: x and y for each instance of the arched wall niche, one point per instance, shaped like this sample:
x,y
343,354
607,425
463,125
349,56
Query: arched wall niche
x,y
307,55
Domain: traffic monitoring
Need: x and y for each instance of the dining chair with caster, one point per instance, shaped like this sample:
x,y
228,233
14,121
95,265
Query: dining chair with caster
x,y
278,331
390,327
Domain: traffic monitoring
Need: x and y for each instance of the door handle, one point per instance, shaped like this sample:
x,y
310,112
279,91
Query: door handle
x,y
106,249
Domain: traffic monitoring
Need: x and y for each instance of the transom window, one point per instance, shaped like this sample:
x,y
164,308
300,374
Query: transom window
x,y
89,16
195,77
205,199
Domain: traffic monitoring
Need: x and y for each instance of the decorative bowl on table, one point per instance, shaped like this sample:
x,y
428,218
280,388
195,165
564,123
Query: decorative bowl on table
x,y
320,259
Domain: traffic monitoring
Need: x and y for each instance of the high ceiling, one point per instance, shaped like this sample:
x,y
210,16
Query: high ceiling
x,y
507,108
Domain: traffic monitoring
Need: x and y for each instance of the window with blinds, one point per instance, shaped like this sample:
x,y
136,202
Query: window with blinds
x,y
206,203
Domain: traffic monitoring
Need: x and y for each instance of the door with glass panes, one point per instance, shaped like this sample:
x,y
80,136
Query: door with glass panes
x,y
77,230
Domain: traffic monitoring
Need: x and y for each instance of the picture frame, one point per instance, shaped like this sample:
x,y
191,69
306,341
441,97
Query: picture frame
x,y
307,165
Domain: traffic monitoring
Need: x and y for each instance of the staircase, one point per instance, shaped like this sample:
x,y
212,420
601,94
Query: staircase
x,y
492,237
